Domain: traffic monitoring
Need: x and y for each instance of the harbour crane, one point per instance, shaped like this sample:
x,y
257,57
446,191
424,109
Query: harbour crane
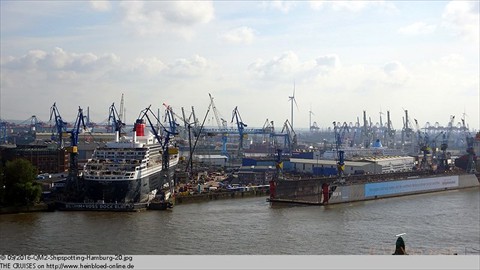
x,y
390,132
340,134
170,119
366,131
165,142
407,131
33,123
194,118
290,137
72,186
221,125
287,139
240,126
423,144
243,131
340,153
269,129
444,146
470,150
73,148
60,125
188,122
115,120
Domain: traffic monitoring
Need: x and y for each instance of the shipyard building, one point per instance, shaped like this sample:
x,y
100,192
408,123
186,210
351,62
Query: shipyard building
x,y
369,165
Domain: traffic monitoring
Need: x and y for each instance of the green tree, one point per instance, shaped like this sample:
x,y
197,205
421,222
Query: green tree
x,y
20,185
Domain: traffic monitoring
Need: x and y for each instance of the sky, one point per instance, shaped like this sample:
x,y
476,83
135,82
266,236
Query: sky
x,y
338,58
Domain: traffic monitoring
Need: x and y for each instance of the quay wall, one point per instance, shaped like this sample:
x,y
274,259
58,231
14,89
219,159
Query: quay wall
x,y
310,191
220,195
41,207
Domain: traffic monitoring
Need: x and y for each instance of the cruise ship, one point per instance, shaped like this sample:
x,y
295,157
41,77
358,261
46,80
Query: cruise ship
x,y
129,169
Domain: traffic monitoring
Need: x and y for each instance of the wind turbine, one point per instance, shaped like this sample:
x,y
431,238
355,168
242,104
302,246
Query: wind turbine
x,y
292,100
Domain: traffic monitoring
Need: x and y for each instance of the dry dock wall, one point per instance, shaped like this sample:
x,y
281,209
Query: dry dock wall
x,y
310,191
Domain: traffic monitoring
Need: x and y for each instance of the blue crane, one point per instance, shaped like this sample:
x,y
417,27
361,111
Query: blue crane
x,y
72,185
285,134
166,138
73,148
114,119
60,125
170,118
240,126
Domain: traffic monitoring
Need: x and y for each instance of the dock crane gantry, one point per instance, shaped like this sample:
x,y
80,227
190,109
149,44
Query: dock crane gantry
x,y
60,125
340,153
423,144
444,146
115,120
165,142
241,127
471,168
170,119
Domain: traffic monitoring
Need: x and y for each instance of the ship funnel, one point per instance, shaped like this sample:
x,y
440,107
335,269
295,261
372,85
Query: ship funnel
x,y
139,127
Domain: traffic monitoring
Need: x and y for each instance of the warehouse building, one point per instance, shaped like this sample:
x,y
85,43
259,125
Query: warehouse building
x,y
384,164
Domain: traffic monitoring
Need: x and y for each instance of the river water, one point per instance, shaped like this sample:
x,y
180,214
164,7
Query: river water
x,y
436,223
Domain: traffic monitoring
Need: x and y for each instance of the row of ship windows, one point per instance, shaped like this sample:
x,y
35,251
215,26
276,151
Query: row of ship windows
x,y
111,178
122,153
119,157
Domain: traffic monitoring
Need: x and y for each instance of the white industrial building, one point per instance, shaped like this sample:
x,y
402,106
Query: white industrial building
x,y
219,160
384,164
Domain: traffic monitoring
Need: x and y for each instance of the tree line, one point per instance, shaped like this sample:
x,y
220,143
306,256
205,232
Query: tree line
x,y
18,185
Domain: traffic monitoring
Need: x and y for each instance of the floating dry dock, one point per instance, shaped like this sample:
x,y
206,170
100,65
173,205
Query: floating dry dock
x,y
322,191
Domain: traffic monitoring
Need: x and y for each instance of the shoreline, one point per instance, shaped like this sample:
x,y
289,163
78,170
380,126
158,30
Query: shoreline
x,y
179,200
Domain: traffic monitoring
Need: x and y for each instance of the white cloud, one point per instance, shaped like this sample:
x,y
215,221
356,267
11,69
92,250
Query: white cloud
x,y
100,5
189,67
289,66
330,61
154,17
287,63
283,6
397,74
462,17
240,35
451,61
58,59
317,5
353,6
417,28
149,66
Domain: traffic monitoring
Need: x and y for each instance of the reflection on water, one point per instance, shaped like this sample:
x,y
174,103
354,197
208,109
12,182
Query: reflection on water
x,y
436,223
